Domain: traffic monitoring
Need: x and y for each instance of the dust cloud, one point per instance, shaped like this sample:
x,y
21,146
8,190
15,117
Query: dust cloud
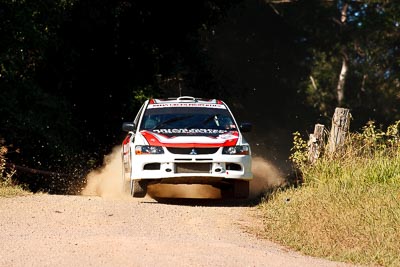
x,y
107,181
265,176
183,191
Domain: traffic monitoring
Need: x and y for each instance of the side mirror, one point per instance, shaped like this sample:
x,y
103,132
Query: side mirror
x,y
128,127
245,127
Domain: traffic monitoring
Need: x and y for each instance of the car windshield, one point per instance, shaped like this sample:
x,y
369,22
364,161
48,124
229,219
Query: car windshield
x,y
188,120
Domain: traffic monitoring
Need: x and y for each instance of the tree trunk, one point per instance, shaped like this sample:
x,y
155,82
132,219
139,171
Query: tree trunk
x,y
342,81
343,13
343,71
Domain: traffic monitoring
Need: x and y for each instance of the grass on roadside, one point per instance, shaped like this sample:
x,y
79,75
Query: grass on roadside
x,y
7,187
348,208
12,191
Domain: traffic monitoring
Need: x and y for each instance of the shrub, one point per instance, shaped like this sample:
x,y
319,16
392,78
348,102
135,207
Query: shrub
x,y
5,177
7,186
348,209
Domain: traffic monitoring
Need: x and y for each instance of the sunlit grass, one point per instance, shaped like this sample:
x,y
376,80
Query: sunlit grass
x,y
12,191
347,210
7,187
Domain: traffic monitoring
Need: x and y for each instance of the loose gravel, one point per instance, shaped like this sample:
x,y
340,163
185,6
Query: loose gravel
x,y
56,230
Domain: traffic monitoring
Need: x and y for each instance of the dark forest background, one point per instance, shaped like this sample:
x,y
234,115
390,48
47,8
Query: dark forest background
x,y
71,71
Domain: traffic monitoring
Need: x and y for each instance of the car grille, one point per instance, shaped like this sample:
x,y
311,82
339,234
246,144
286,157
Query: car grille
x,y
193,167
192,151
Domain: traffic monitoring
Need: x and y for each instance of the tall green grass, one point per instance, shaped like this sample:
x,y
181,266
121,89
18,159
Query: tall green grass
x,y
348,208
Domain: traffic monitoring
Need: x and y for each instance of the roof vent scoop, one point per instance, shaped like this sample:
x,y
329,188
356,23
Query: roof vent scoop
x,y
186,98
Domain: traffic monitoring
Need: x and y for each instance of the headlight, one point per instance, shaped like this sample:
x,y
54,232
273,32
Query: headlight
x,y
140,150
236,150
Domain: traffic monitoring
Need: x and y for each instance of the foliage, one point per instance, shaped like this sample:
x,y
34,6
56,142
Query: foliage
x,y
348,208
7,186
72,70
323,78
4,176
33,118
366,35
299,151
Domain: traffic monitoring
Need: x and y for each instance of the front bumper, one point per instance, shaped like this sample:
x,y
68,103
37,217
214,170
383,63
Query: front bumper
x,y
195,168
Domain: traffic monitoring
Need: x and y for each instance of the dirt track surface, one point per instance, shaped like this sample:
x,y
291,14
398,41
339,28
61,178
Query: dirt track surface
x,y
51,230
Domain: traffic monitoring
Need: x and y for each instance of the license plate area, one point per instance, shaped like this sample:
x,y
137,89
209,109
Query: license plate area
x,y
193,167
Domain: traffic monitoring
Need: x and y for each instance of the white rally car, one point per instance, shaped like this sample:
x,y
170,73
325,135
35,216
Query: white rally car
x,y
186,140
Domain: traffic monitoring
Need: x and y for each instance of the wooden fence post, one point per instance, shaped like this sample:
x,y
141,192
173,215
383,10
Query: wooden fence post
x,y
316,143
340,127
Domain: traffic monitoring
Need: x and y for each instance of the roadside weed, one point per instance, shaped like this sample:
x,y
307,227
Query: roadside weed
x,y
348,208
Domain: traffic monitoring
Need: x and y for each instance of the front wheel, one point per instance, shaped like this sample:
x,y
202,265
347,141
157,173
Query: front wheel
x,y
139,188
136,188
126,175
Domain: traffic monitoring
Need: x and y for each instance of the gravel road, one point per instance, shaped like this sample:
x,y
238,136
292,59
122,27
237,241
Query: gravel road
x,y
56,230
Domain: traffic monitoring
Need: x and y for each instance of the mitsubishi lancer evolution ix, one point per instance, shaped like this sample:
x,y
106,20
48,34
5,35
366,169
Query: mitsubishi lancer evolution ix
x,y
186,140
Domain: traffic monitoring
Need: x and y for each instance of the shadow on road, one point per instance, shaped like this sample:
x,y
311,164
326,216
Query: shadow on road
x,y
206,202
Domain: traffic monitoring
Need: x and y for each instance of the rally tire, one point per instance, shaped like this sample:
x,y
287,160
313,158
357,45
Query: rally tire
x,y
138,188
126,174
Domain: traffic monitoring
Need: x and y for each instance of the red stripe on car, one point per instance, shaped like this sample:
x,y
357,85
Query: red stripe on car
x,y
154,141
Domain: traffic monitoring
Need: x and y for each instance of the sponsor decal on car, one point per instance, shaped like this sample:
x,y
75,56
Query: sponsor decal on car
x,y
174,105
224,139
189,131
